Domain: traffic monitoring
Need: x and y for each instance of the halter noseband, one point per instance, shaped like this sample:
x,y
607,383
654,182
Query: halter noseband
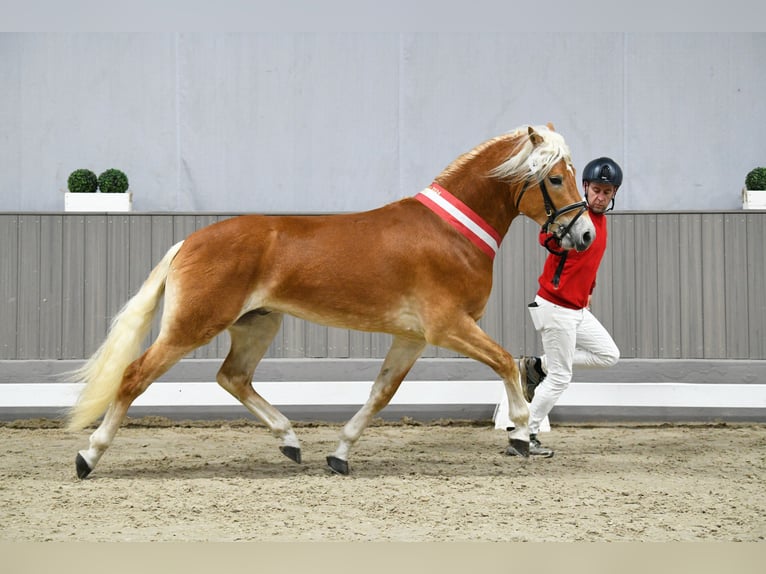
x,y
553,214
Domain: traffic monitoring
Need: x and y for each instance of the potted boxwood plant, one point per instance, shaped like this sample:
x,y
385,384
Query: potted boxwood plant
x,y
754,192
82,181
112,194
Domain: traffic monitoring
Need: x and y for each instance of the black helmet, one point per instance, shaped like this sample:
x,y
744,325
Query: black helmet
x,y
603,169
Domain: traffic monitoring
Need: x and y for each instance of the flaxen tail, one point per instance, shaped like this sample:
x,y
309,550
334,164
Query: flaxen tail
x,y
102,374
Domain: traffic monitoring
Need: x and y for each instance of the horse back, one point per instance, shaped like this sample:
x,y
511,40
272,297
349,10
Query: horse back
x,y
363,268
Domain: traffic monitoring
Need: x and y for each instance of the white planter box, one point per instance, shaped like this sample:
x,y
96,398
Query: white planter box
x,y
753,198
98,201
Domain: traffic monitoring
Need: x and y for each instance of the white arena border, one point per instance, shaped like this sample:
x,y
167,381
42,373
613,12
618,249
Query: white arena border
x,y
431,392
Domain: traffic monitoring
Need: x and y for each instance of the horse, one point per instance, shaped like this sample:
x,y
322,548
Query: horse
x,y
419,268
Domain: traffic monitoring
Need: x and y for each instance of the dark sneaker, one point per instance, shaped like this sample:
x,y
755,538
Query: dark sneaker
x,y
536,449
531,375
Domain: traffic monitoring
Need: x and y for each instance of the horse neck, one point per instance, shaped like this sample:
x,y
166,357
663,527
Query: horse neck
x,y
467,179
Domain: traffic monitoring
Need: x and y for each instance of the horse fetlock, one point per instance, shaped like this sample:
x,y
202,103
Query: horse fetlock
x,y
289,438
519,433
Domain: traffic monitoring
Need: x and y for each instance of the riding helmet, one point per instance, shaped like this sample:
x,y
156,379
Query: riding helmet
x,y
603,169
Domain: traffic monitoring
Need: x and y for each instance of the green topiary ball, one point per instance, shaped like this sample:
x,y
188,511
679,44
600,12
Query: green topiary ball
x,y
113,181
82,181
756,179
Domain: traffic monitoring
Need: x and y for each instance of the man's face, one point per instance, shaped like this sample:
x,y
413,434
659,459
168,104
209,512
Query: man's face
x,y
599,195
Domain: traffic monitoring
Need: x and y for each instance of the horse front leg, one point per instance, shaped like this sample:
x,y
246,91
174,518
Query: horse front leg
x,y
398,362
467,338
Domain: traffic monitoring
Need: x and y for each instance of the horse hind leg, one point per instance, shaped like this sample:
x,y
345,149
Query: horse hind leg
x,y
157,359
100,440
398,362
250,339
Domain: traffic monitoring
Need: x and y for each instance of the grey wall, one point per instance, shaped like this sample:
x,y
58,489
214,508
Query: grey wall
x,y
344,122
671,286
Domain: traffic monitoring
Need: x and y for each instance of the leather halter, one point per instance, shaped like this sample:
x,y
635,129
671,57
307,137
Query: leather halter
x,y
553,214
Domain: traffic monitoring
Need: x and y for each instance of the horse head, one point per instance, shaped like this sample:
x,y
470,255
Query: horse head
x,y
543,186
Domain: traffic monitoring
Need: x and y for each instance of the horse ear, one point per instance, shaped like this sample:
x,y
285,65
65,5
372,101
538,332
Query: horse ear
x,y
550,127
536,138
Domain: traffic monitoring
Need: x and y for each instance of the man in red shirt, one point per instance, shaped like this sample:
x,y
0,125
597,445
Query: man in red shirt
x,y
571,334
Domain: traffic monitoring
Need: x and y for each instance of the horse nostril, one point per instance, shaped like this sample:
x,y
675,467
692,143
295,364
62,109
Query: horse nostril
x,y
587,238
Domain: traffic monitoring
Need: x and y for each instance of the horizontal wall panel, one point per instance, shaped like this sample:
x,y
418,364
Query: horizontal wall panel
x,y
685,285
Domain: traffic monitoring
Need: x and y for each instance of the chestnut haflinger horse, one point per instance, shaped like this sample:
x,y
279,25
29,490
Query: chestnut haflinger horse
x,y
419,269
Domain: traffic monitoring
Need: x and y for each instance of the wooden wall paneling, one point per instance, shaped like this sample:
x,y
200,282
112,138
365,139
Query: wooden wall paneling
x,y
713,286
73,288
360,344
622,238
9,285
690,261
668,294
756,281
97,314
28,325
676,285
735,274
647,308
51,277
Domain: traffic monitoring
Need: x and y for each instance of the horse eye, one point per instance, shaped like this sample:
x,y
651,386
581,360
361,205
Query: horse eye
x,y
556,179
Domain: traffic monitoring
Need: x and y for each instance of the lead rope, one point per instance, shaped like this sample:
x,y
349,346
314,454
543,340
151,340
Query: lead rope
x,y
559,269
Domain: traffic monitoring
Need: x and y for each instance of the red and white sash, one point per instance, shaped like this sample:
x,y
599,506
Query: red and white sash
x,y
461,217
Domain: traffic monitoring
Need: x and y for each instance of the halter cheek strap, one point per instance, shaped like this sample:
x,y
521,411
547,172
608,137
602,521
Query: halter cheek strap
x,y
553,214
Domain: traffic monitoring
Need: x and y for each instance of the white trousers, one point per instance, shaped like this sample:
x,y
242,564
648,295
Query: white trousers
x,y
571,338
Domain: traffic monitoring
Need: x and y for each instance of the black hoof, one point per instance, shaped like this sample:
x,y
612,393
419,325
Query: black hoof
x,y
291,452
517,447
337,465
83,470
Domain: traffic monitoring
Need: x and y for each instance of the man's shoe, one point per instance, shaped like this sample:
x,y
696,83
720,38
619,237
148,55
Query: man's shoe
x,y
536,449
531,375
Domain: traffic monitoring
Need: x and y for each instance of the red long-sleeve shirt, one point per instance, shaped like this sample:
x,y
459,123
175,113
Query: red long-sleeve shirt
x,y
578,277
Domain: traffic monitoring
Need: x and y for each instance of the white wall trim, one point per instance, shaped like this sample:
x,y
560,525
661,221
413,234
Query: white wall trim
x,y
300,393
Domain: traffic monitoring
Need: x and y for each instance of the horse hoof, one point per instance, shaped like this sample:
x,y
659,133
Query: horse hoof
x,y
83,470
517,447
291,452
337,465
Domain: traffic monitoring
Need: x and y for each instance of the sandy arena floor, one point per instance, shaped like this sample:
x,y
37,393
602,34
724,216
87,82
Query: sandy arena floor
x,y
227,481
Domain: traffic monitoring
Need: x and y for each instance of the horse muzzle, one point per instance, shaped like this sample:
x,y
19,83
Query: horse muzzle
x,y
580,236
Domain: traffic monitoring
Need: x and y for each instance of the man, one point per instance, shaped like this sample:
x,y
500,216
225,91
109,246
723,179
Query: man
x,y
571,334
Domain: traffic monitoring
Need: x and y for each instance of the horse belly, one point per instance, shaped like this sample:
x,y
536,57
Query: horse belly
x,y
364,307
